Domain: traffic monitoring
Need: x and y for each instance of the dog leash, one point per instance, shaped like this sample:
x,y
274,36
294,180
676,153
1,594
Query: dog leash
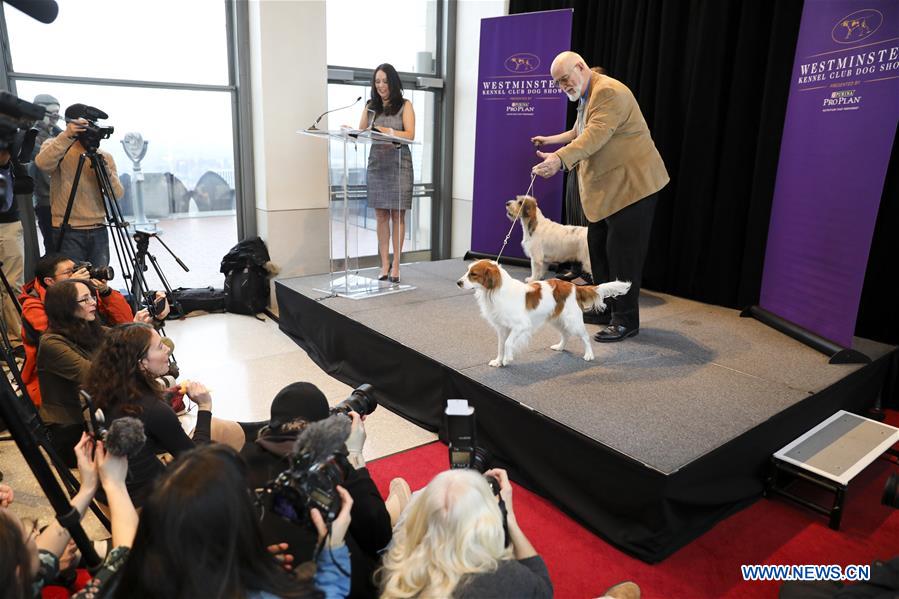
x,y
509,234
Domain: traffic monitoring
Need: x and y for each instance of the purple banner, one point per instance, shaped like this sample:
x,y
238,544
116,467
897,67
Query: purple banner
x,y
516,101
839,128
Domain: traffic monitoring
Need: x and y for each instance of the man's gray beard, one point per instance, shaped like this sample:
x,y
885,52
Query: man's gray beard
x,y
574,96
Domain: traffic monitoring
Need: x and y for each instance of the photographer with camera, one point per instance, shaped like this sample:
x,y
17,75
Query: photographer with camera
x,y
451,542
293,410
51,269
87,241
46,128
122,380
199,537
30,559
12,251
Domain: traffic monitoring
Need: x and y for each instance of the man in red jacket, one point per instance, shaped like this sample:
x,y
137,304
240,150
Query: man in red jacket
x,y
49,270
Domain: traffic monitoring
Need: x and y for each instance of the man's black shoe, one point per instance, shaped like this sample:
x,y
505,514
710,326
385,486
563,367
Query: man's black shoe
x,y
594,317
614,332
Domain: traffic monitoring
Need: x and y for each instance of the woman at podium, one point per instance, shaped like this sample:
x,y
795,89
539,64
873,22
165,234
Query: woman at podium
x,y
389,166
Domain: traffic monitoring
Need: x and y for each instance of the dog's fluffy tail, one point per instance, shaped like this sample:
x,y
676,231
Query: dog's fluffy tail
x,y
591,297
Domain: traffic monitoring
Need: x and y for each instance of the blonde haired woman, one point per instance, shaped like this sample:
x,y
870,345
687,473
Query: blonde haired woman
x,y
451,543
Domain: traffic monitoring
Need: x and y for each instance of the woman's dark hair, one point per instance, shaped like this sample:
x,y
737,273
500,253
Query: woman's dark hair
x,y
115,376
61,303
199,536
14,556
396,91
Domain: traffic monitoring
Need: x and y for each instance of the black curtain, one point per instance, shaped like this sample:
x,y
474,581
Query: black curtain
x,y
712,78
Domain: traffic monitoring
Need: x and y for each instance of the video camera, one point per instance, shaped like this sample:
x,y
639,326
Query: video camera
x,y
90,138
463,447
317,465
101,273
17,136
15,116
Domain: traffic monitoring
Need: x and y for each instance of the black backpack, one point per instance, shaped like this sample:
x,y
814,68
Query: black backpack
x,y
246,278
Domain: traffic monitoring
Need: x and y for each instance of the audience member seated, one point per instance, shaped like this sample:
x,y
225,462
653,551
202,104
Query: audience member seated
x,y
63,358
122,382
29,560
112,308
199,536
450,542
293,407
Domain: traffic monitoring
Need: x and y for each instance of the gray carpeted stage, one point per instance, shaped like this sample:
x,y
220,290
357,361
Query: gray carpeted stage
x,y
694,378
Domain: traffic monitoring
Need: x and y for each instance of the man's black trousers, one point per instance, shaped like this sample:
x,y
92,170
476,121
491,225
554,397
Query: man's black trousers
x,y
618,246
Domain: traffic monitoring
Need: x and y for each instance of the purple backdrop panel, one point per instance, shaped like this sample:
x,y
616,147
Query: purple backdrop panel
x,y
841,119
516,101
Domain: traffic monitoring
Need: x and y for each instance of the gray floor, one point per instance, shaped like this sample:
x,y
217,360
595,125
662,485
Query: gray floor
x,y
695,377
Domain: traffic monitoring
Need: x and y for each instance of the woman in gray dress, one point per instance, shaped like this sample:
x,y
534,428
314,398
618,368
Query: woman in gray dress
x,y
389,167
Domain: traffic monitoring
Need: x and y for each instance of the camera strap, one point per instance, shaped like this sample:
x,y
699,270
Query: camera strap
x,y
505,513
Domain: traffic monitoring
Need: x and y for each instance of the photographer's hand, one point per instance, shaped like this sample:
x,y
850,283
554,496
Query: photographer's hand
x,y
87,467
75,128
81,274
355,441
6,496
165,311
199,394
341,522
279,551
123,517
101,286
520,543
143,316
55,537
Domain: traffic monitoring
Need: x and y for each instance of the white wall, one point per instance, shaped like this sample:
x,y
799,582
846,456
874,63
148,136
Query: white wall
x,y
288,72
468,35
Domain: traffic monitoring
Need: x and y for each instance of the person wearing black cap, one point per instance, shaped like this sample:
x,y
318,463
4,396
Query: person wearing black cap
x,y
370,529
46,129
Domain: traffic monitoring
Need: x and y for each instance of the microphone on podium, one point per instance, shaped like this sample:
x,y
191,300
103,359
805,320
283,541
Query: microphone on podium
x,y
314,128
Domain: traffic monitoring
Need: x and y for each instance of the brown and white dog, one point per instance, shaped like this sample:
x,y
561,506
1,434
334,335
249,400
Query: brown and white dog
x,y
545,241
517,309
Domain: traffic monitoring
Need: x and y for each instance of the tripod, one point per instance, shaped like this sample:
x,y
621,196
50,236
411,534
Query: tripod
x,y
30,434
132,262
142,238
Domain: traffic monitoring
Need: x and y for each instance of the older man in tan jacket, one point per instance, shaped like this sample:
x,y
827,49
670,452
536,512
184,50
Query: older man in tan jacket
x,y
619,172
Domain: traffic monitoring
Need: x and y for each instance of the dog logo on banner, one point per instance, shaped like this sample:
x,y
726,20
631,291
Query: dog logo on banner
x,y
522,63
857,26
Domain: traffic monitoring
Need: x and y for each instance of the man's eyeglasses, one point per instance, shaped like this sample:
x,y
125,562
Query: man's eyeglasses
x,y
87,300
564,79
67,271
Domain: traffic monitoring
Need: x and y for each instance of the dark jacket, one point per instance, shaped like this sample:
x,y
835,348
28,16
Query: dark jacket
x,y
164,435
62,365
369,532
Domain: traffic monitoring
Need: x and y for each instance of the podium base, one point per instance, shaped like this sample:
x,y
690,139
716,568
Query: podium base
x,y
357,287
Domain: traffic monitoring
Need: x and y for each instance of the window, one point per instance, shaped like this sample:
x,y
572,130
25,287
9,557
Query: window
x,y
160,69
163,40
405,34
401,32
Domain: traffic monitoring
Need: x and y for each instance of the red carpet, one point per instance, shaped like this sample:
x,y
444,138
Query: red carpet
x,y
768,532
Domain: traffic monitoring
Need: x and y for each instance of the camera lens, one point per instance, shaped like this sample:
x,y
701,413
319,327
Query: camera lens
x,y
361,400
102,273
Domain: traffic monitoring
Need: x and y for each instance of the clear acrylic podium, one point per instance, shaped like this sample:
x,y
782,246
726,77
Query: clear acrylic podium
x,y
347,282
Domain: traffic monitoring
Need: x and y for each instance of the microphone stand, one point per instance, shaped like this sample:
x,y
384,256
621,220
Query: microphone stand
x,y
314,128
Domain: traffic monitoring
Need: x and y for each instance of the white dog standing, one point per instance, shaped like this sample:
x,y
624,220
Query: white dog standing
x,y
517,309
545,241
